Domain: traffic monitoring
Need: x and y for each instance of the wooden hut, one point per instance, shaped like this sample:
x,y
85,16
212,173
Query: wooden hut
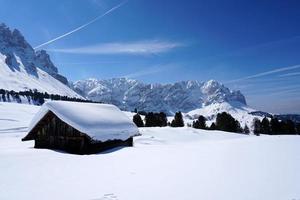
x,y
80,128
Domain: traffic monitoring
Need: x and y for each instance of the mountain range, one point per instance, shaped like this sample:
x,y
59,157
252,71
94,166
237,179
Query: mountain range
x,y
182,96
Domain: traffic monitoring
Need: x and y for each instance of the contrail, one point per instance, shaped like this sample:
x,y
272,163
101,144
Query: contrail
x,y
82,26
265,73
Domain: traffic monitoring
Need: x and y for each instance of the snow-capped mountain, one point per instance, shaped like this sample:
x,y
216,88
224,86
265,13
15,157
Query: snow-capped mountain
x,y
184,96
23,68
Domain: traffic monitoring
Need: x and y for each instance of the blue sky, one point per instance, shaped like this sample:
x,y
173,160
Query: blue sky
x,y
253,45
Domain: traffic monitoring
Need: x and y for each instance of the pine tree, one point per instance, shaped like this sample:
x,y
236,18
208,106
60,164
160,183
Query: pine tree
x,y
138,120
275,126
213,126
156,119
8,97
41,99
298,128
178,120
226,122
3,98
149,119
246,129
265,126
162,117
200,123
257,126
290,127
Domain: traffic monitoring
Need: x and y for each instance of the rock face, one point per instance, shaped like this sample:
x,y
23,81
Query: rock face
x,y
17,50
129,94
44,63
21,68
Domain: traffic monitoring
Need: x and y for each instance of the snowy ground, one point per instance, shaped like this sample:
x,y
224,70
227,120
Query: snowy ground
x,y
165,163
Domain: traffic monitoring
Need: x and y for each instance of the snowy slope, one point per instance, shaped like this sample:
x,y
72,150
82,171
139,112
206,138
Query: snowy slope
x,y
165,163
15,118
239,111
21,81
183,96
21,68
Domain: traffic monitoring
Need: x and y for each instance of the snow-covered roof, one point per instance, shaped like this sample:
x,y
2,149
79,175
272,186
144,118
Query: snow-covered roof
x,y
101,122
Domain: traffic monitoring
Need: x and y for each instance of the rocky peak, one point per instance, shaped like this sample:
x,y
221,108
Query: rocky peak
x,y
211,86
17,50
5,33
45,63
216,92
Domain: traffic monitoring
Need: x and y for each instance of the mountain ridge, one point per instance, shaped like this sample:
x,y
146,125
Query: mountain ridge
x,y
22,68
129,94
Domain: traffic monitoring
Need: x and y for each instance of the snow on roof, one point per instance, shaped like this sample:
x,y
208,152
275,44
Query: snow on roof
x,y
101,122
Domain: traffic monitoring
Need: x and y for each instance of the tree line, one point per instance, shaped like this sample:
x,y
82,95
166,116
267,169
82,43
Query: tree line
x,y
157,120
35,97
224,122
276,127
